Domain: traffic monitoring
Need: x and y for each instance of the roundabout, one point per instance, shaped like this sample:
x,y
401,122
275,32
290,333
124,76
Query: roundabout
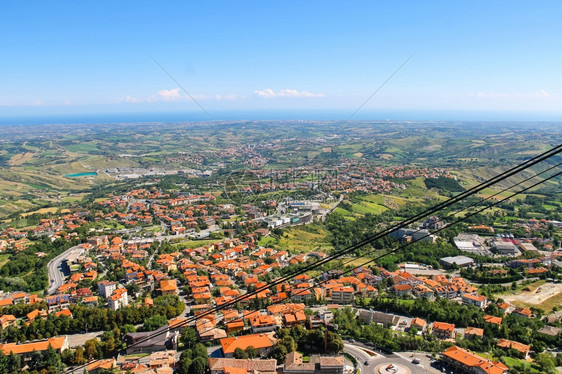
x,y
391,368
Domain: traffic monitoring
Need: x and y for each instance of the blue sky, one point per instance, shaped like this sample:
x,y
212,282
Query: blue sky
x,y
92,57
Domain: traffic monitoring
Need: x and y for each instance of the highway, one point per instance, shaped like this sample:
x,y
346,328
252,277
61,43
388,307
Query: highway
x,y
56,276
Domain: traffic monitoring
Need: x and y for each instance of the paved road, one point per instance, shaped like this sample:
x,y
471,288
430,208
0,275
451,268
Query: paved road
x,y
368,364
56,276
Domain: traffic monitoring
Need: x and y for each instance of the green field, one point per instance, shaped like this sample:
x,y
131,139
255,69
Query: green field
x,y
302,239
194,243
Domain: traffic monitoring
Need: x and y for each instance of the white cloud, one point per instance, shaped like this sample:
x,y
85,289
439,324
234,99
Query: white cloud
x,y
540,94
175,95
269,93
170,95
220,97
37,102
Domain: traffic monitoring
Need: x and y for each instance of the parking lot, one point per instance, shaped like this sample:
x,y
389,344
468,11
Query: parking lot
x,y
429,364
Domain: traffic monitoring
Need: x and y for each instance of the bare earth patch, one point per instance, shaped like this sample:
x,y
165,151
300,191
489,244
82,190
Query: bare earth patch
x,y
544,297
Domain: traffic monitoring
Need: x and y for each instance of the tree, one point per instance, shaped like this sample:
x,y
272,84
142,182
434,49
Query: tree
x,y
128,328
188,337
52,359
251,352
279,353
288,342
79,356
239,353
184,364
335,344
13,362
92,349
547,362
154,322
133,288
198,366
200,351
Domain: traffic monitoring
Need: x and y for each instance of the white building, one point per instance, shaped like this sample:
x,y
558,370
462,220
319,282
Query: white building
x,y
106,288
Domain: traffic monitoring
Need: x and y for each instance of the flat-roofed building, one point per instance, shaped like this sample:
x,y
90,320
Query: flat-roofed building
x,y
460,261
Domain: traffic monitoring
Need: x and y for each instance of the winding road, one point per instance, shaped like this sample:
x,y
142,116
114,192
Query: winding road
x,y
56,276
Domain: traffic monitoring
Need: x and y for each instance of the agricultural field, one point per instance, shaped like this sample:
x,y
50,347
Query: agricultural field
x,y
32,170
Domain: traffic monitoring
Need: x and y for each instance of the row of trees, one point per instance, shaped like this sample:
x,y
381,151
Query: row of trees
x,y
95,319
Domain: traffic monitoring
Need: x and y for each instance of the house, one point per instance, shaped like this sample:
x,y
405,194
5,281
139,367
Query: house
x,y
477,300
443,330
294,364
64,312
492,319
168,287
302,294
522,312
234,326
523,349
550,331
293,319
90,301
58,302
246,366
101,365
469,362
505,307
402,289
162,359
263,323
419,323
19,297
36,313
7,320
262,342
424,292
473,332
207,330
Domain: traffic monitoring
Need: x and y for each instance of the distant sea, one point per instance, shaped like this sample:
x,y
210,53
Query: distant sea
x,y
397,115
